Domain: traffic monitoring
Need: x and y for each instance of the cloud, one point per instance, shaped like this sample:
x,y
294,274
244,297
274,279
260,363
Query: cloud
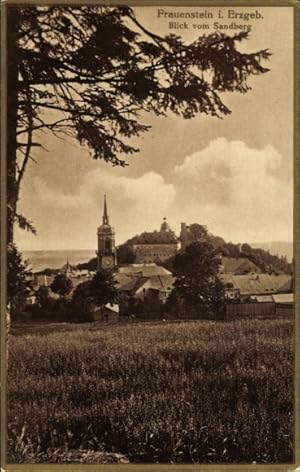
x,y
135,204
237,191
68,218
63,200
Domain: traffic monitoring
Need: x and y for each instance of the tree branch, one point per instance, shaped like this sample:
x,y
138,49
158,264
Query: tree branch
x,y
30,131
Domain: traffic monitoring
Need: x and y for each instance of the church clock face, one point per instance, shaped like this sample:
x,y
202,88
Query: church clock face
x,y
107,262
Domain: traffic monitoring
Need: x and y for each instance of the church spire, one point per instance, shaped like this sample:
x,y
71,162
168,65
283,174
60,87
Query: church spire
x,y
105,214
107,254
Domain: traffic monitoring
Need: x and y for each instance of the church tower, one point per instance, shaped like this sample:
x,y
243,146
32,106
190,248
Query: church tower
x,y
107,255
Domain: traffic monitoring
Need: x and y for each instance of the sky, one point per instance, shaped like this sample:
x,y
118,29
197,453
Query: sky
x,y
233,175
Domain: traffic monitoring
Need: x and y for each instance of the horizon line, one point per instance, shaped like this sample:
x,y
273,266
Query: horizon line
x,y
93,249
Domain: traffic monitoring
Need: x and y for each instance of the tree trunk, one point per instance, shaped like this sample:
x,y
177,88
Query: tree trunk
x,y
11,149
12,111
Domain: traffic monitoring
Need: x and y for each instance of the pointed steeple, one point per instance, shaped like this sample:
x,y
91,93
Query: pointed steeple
x,y
67,268
105,214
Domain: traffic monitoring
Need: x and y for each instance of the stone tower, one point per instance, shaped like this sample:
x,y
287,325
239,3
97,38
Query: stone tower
x,y
184,233
106,254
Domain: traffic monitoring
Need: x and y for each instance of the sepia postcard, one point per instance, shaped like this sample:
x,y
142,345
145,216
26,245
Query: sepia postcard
x,y
149,212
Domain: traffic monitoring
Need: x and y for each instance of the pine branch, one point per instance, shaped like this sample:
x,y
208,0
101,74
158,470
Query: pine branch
x,y
29,133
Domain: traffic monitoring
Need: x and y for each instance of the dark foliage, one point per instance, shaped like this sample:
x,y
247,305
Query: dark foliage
x,y
18,285
91,265
125,254
197,289
272,263
265,261
61,285
80,310
98,291
154,237
196,232
43,296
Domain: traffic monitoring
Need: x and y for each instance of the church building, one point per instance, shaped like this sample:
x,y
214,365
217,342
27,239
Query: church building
x,y
106,254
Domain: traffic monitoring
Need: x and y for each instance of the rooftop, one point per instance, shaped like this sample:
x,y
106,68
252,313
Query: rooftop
x,y
238,265
155,237
164,236
250,284
132,282
144,270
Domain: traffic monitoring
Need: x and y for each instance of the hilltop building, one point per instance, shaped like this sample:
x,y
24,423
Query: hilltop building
x,y
106,254
248,290
155,246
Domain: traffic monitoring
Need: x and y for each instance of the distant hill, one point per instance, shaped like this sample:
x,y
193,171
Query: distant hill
x,y
282,248
40,260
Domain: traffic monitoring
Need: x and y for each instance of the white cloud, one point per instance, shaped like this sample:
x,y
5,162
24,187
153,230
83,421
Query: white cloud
x,y
237,191
135,204
69,219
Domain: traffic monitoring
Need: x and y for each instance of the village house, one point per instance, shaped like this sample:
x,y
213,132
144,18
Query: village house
x,y
246,288
145,281
108,313
258,294
242,287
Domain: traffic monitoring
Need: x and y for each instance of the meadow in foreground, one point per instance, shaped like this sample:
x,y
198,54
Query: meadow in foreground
x,y
198,391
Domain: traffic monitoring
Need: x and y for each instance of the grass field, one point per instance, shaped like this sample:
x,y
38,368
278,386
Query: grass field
x,y
199,391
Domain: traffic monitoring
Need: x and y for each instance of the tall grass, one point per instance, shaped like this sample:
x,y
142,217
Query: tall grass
x,y
189,392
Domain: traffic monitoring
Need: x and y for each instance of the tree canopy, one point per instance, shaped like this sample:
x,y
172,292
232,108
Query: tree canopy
x,y
42,296
61,285
195,232
125,254
197,287
18,271
89,71
98,291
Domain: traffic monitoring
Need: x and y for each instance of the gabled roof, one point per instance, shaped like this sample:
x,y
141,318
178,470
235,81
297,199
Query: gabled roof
x,y
155,237
161,283
129,283
114,307
134,283
287,286
238,265
144,270
251,284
